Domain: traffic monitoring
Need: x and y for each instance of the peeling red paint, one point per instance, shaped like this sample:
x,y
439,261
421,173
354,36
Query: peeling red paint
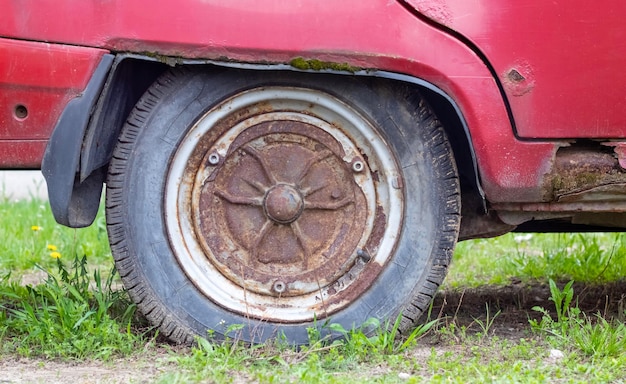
x,y
620,151
519,79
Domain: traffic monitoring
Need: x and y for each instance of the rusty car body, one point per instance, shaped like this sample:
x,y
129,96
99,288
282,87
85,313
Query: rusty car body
x,y
308,160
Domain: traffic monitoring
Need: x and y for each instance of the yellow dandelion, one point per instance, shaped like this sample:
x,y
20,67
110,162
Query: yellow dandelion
x,y
35,228
55,255
51,247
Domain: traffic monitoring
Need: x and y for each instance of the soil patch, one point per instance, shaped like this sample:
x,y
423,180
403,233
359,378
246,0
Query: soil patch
x,y
516,301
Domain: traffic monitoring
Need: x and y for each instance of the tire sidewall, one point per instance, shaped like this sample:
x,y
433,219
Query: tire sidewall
x,y
184,98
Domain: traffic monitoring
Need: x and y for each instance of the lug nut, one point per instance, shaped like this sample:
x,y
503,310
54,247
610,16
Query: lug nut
x,y
214,158
364,255
279,287
357,166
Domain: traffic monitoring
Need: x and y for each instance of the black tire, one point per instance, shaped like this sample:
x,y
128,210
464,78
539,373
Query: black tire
x,y
162,275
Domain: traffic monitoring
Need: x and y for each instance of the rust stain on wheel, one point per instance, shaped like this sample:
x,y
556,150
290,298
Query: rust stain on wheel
x,y
280,204
287,199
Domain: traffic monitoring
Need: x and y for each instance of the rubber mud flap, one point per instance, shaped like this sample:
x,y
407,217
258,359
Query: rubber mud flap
x,y
74,203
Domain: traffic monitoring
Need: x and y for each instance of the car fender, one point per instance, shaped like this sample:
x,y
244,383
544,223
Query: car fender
x,y
375,36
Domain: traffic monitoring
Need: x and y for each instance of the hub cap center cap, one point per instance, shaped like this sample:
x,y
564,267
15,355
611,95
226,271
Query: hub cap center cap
x,y
283,204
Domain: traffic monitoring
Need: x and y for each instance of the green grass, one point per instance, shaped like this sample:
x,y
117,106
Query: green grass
x,y
67,317
70,306
571,328
586,258
29,234
75,310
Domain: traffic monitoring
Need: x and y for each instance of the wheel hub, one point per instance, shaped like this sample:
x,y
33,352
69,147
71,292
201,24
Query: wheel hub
x,y
283,204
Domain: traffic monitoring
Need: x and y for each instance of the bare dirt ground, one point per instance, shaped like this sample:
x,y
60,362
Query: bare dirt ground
x,y
515,303
142,370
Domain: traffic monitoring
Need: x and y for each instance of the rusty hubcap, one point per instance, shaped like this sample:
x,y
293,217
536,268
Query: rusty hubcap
x,y
289,204
274,202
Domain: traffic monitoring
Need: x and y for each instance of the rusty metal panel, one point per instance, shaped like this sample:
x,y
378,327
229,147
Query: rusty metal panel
x,y
587,174
585,177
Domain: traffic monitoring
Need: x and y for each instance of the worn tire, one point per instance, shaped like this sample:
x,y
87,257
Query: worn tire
x,y
148,258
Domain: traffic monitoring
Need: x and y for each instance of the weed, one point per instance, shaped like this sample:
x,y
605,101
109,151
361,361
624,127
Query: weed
x,y
452,332
67,317
573,328
486,325
590,258
374,337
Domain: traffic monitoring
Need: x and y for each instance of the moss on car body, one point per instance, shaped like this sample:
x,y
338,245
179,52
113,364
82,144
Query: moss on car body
x,y
319,65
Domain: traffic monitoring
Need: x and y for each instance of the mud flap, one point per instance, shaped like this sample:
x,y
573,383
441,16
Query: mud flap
x,y
74,203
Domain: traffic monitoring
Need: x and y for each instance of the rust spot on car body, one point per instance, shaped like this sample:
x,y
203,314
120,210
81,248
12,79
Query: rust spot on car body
x,y
519,79
620,151
585,177
587,174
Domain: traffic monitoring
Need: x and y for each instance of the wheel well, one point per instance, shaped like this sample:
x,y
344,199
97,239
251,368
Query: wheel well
x,y
129,78
476,221
461,147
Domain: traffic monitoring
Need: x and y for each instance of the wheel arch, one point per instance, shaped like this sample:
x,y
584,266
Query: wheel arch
x,y
131,75
78,151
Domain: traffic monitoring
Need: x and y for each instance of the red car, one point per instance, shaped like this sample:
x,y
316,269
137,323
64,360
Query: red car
x,y
284,164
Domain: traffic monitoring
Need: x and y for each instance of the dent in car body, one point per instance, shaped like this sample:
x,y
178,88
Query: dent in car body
x,y
569,52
